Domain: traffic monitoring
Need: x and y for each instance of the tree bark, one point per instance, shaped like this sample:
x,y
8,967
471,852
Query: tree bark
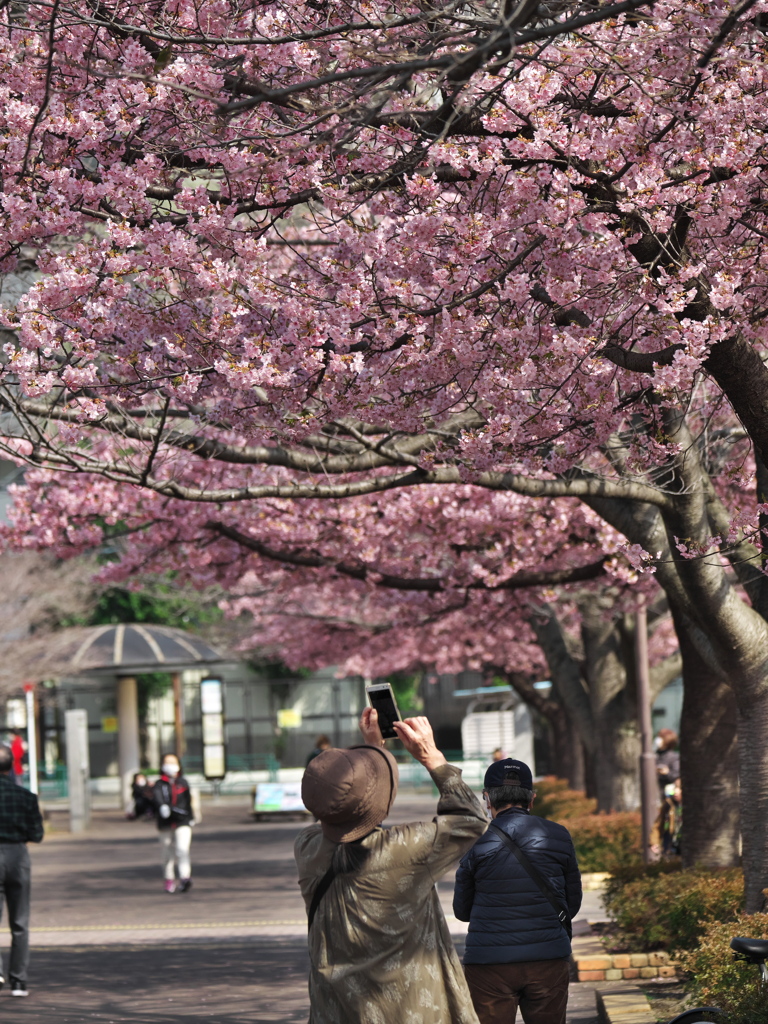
x,y
616,765
709,760
753,759
738,368
616,745
604,710
568,752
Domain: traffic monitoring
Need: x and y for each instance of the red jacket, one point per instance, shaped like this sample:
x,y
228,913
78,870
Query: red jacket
x,y
17,751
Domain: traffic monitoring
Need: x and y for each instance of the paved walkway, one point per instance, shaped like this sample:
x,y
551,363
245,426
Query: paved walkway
x,y
110,945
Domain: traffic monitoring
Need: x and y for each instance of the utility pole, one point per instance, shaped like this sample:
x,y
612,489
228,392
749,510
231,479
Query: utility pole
x,y
648,785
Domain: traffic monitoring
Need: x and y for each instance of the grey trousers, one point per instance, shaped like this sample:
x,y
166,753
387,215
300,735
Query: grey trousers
x,y
15,888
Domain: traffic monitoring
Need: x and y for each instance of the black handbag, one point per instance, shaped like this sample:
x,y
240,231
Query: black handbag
x,y
546,889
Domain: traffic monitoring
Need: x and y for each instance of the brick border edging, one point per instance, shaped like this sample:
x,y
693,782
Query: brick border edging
x,y
624,967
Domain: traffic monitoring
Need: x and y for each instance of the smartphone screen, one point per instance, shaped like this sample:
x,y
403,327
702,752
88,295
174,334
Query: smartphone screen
x,y
383,700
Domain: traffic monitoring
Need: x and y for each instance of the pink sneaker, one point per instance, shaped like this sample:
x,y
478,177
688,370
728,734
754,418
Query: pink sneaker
x,y
170,885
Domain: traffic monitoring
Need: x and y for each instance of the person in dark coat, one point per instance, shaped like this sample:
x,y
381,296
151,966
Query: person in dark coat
x,y
20,823
143,801
321,743
517,947
173,807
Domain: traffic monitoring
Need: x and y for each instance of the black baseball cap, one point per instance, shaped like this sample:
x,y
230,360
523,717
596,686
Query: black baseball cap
x,y
508,772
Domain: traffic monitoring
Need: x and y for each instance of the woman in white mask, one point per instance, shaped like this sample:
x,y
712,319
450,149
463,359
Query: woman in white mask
x,y
173,807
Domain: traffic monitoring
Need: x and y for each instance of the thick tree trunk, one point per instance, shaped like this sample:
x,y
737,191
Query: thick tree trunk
x,y
753,760
731,634
603,711
567,750
589,775
615,738
738,367
578,773
709,760
616,764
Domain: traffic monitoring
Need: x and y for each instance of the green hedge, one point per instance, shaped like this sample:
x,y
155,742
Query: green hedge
x,y
555,800
604,842
661,908
718,980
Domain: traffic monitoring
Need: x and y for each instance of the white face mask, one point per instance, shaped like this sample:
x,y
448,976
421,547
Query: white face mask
x,y
171,770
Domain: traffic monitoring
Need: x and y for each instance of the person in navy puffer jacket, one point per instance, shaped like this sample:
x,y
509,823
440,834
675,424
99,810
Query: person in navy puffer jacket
x,y
517,948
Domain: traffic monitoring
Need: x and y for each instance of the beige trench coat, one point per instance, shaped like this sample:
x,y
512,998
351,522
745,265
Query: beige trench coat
x,y
380,949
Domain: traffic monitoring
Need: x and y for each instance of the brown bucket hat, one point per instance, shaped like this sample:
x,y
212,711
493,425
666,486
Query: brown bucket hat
x,y
350,791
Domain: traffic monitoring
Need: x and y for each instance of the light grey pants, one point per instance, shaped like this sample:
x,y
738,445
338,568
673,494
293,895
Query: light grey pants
x,y
176,843
15,888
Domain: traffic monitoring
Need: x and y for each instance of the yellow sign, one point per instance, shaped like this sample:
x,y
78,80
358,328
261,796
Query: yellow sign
x,y
289,718
109,724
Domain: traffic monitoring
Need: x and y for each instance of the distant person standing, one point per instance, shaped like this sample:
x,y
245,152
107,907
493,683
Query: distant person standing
x,y
498,754
18,749
667,758
667,832
173,806
142,798
321,743
20,823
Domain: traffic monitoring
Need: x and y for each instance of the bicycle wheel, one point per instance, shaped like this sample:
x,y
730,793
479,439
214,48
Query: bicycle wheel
x,y
699,1015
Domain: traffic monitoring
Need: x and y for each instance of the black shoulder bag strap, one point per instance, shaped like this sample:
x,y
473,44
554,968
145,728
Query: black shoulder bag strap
x,y
546,889
322,888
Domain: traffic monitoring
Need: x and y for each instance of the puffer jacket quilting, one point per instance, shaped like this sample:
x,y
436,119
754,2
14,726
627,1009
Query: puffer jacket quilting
x,y
510,919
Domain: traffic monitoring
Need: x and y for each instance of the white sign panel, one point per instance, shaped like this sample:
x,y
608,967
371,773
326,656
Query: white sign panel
x,y
273,797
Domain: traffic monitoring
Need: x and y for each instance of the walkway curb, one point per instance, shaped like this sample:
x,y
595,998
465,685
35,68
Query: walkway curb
x,y
626,1005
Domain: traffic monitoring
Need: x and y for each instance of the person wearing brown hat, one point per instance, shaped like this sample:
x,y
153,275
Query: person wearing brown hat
x,y
379,947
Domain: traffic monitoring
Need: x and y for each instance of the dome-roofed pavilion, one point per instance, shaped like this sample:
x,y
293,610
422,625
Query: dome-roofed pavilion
x,y
123,652
135,648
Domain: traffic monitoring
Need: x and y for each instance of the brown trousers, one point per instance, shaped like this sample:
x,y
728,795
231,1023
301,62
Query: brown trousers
x,y
538,987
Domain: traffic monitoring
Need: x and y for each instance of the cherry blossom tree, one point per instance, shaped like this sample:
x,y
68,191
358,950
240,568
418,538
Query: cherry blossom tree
x,y
310,251
488,595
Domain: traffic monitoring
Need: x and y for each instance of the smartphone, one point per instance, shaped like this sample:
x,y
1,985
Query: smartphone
x,y
382,699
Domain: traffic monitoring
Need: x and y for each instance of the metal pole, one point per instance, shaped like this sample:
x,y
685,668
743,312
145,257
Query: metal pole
x,y
649,796
29,694
178,715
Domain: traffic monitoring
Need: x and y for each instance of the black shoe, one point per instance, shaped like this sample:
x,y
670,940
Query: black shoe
x,y
185,884
18,988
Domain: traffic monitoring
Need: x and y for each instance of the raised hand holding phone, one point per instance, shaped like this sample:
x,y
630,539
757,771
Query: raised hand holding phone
x,y
419,740
369,727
